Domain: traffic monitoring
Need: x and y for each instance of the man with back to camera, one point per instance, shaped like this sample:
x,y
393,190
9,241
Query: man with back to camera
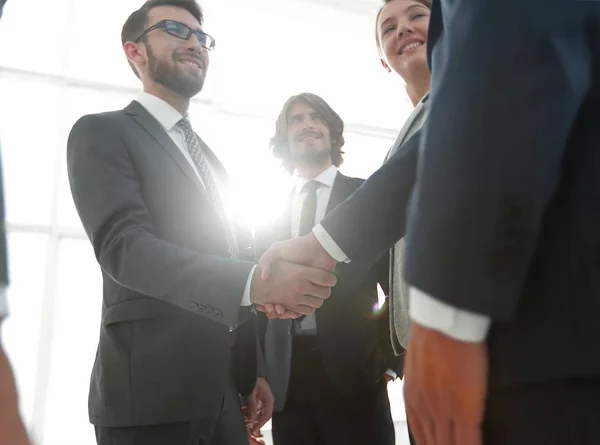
x,y
178,339
12,430
503,240
328,371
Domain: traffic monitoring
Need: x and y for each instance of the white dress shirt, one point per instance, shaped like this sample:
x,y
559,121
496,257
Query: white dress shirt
x,y
308,324
168,117
424,309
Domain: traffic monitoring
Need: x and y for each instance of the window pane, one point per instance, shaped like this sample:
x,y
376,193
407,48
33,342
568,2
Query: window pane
x,y
34,36
76,328
21,331
29,130
364,154
95,41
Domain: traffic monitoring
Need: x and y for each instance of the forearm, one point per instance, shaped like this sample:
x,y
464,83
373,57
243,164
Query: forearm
x,y
372,219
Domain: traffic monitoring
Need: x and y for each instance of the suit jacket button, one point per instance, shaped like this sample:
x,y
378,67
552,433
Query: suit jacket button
x,y
208,312
194,307
217,315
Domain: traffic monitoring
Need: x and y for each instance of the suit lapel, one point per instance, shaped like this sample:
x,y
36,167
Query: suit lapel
x,y
341,190
153,127
214,162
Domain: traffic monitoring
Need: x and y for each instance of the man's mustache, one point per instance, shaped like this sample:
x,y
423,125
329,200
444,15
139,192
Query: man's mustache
x,y
308,133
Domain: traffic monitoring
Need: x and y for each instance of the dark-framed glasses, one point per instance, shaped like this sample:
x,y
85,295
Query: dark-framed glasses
x,y
181,31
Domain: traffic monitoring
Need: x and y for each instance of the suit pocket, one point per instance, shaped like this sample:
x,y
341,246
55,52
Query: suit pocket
x,y
144,308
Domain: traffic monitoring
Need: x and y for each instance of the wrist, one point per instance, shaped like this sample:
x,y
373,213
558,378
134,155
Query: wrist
x,y
322,258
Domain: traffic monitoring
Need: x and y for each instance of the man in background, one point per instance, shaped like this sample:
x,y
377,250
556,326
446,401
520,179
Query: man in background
x,y
328,370
12,430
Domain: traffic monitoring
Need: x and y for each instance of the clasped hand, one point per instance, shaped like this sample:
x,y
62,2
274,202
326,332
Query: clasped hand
x,y
293,278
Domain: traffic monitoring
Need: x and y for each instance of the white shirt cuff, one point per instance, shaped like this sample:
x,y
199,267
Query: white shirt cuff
x,y
392,374
329,244
246,297
459,324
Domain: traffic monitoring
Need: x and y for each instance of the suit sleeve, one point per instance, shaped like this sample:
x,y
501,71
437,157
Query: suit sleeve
x,y
106,191
503,105
373,218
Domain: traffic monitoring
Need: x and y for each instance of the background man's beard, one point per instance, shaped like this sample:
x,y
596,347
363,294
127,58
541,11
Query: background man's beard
x,y
312,157
170,77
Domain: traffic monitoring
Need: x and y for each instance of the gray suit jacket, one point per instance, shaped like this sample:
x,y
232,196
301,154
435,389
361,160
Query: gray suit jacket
x,y
399,318
171,294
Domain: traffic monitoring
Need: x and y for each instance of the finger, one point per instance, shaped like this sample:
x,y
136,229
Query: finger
x,y
466,434
416,428
292,315
270,311
306,301
260,308
281,312
444,432
252,411
320,292
318,276
302,309
264,417
265,262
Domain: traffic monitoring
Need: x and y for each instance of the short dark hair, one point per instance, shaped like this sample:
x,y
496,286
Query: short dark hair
x,y
426,3
279,142
137,22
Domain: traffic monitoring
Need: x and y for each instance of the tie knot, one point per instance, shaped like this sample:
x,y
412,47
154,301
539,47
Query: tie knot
x,y
311,186
184,124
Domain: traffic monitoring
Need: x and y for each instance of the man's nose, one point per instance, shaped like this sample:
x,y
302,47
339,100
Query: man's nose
x,y
308,123
193,44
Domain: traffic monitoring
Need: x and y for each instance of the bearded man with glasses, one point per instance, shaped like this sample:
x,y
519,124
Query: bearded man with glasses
x,y
178,339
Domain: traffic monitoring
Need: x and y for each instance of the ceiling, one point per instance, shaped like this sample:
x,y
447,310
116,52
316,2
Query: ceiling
x,y
359,6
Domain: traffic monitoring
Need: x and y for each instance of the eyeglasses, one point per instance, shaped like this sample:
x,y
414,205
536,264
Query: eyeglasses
x,y
181,31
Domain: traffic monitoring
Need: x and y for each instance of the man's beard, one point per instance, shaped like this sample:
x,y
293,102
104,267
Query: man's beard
x,y
311,156
172,78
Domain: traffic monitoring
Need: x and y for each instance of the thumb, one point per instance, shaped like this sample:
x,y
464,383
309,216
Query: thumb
x,y
269,257
252,407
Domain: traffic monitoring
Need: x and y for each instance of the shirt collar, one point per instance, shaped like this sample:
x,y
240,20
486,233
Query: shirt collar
x,y
163,112
326,178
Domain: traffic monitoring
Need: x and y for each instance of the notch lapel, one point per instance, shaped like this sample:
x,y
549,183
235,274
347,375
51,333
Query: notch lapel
x,y
340,191
153,127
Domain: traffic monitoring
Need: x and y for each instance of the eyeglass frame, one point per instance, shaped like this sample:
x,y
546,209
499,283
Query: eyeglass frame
x,y
163,24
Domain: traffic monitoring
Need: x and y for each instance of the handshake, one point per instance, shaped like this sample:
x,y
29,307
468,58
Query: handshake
x,y
293,278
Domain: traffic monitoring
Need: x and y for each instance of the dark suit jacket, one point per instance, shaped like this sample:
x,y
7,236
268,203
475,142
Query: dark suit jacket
x,y
170,293
354,343
506,212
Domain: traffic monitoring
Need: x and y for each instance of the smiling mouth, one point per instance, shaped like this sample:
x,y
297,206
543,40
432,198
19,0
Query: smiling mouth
x,y
308,137
410,47
191,63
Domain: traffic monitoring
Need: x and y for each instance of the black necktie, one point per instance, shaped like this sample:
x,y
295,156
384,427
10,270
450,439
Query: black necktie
x,y
309,208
